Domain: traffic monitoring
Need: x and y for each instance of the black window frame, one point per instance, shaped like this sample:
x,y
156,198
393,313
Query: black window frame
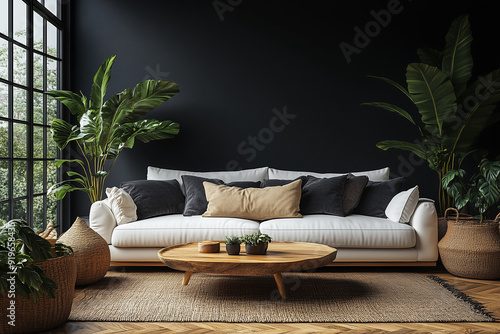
x,y
32,6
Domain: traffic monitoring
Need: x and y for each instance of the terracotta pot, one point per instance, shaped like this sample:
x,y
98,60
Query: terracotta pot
x,y
233,249
471,249
259,249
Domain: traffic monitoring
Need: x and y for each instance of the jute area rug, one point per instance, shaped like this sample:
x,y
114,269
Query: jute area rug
x,y
312,297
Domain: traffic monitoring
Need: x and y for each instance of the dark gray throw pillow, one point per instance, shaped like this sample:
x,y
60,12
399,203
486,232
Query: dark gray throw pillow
x,y
354,187
377,196
196,199
281,182
154,197
323,195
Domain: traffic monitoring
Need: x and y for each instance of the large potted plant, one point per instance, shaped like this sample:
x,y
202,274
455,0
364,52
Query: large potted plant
x,y
453,111
36,288
105,128
471,246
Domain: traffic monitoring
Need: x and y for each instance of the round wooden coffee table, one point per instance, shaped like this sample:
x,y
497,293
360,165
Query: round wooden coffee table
x,y
281,257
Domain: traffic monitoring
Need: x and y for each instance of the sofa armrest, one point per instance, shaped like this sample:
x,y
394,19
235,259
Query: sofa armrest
x,y
102,219
424,221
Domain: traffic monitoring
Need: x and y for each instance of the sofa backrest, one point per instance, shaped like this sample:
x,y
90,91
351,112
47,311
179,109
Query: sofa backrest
x,y
373,175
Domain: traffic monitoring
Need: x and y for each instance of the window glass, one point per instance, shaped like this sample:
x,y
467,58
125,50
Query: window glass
x,y
38,215
52,33
52,5
4,179
19,65
38,177
4,100
20,209
4,59
19,21
20,185
38,142
38,71
19,140
38,32
4,142
51,146
4,17
4,213
51,109
38,107
51,74
19,111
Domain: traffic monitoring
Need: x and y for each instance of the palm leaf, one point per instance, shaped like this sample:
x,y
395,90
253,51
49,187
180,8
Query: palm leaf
x,y
392,108
63,133
101,80
430,56
403,145
76,104
486,92
146,131
432,93
393,83
457,59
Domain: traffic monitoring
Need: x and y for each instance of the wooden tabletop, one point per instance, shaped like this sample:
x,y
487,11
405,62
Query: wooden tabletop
x,y
281,257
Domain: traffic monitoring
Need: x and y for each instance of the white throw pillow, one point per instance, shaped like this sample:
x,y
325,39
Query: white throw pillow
x,y
373,175
122,205
401,207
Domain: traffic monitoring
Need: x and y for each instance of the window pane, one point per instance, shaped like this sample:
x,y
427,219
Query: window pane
x,y
51,39
52,5
38,108
38,142
4,213
20,184
38,32
4,180
19,140
19,65
4,59
19,111
38,71
38,214
4,140
51,199
51,74
20,209
4,100
4,17
38,177
51,110
19,21
51,146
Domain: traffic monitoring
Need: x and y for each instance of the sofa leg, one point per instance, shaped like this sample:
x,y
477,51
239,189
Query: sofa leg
x,y
187,276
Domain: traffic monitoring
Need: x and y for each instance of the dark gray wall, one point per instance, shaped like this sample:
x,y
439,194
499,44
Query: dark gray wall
x,y
267,55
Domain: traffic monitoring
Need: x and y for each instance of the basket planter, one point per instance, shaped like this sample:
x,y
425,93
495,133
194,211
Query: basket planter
x,y
471,249
47,313
259,249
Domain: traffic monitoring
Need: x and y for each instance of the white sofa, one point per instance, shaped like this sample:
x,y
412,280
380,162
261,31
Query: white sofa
x,y
361,240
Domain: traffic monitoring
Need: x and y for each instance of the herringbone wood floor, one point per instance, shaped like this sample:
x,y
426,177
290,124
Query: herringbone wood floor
x,y
483,291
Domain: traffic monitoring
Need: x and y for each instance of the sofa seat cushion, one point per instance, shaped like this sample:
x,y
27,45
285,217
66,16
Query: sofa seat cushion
x,y
354,231
176,229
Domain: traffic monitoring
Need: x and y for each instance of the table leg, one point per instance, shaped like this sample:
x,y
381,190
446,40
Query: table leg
x,y
281,286
187,276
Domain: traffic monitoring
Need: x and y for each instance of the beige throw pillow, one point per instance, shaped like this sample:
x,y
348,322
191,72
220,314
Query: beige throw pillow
x,y
122,205
253,203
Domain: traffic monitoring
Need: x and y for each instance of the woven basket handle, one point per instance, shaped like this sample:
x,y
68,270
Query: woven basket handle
x,y
451,209
497,218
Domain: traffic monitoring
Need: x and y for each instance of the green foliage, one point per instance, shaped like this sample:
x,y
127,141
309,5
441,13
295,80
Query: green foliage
x,y
20,246
233,240
482,191
255,238
449,126
105,128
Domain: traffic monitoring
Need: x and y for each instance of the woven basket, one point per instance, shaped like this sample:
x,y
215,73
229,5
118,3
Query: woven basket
x,y
47,313
91,252
471,249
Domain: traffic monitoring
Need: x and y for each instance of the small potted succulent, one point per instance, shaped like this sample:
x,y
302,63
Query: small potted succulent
x,y
256,243
233,245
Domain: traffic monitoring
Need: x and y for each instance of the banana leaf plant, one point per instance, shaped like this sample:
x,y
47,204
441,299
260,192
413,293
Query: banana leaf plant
x,y
481,192
105,128
453,111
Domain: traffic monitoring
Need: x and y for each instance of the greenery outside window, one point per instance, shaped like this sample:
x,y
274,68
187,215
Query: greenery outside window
x,y
30,63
